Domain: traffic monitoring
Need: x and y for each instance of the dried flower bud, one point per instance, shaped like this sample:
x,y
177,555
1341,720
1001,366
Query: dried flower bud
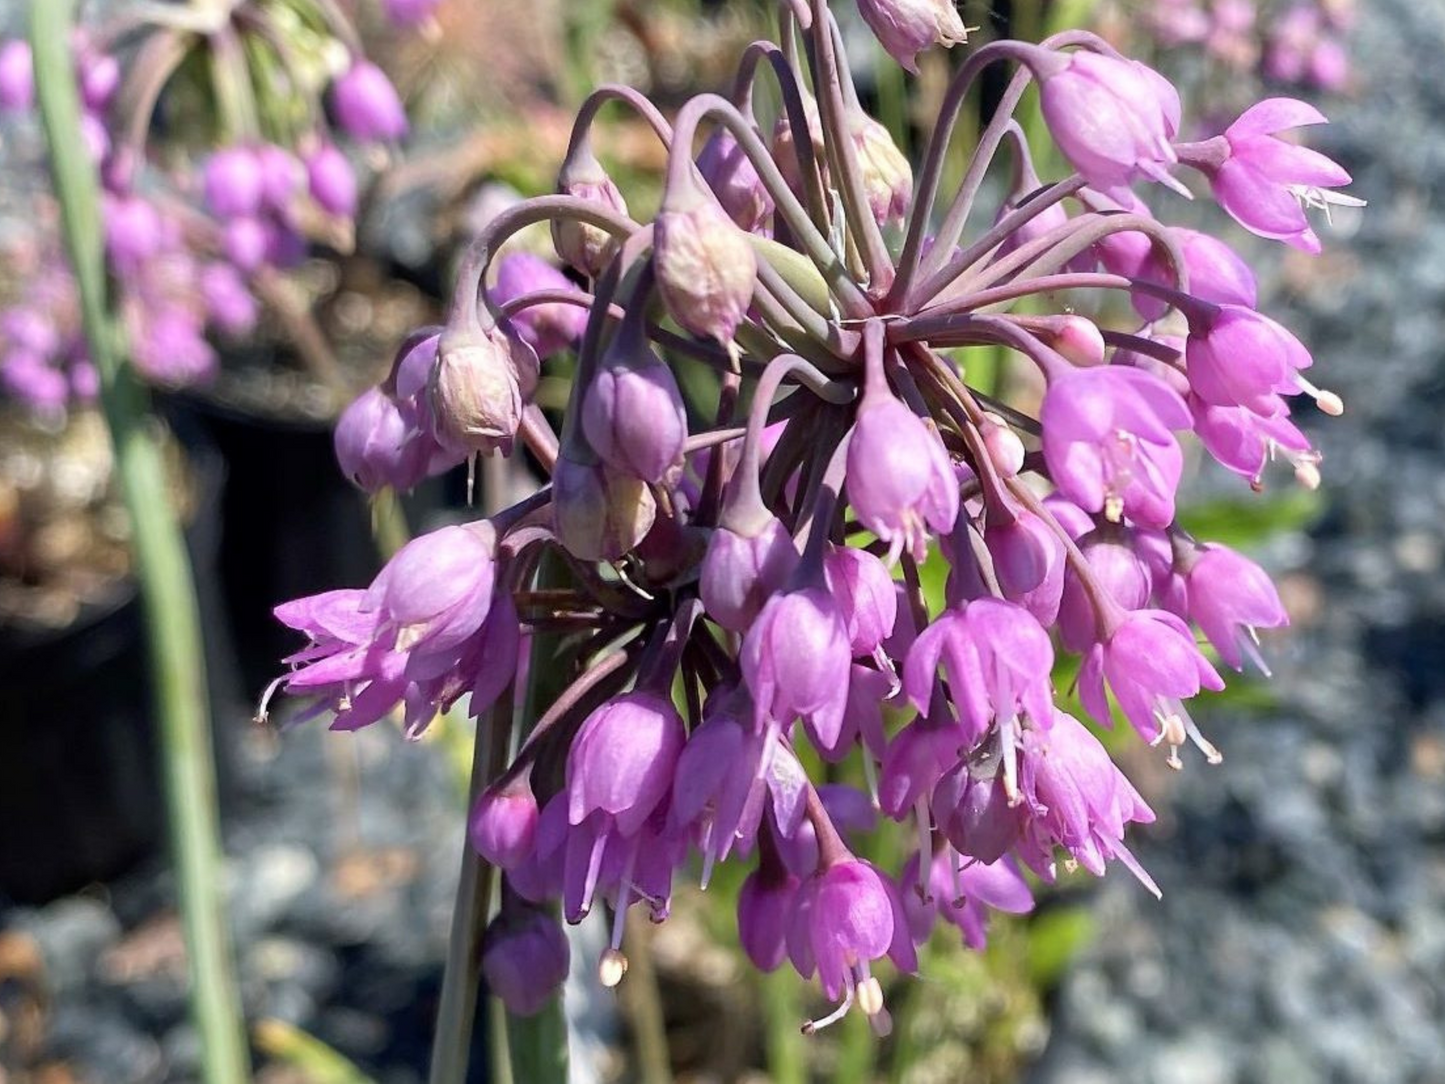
x,y
598,513
581,245
478,387
706,268
906,27
887,177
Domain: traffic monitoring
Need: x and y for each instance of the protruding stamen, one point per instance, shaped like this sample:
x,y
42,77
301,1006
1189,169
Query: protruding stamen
x,y
870,997
1329,402
611,967
833,1017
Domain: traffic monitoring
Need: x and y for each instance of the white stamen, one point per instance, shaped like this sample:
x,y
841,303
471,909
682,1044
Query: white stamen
x,y
870,996
1329,402
611,967
263,709
833,1017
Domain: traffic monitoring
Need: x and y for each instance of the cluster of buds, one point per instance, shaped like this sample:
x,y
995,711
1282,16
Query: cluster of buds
x,y
742,594
1298,43
187,240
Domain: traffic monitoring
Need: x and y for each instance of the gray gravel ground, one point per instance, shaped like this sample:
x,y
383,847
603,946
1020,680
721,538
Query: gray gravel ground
x,y
1301,936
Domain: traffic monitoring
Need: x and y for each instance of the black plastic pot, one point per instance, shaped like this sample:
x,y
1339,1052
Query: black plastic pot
x,y
80,781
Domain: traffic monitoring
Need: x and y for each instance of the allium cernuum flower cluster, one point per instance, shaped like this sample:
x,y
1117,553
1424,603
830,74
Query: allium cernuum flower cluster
x,y
742,595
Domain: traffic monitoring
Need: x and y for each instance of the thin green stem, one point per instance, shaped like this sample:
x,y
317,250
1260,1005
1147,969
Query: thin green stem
x,y
172,620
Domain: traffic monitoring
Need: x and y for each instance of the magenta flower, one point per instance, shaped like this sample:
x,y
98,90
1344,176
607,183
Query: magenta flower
x,y
1152,666
1216,272
1112,118
1118,570
796,660
740,572
900,481
366,104
1075,798
1245,441
863,589
17,76
409,13
374,446
1229,596
916,759
997,658
1028,562
1238,357
846,916
907,27
622,761
1263,181
962,894
765,907
233,183
437,590
1109,443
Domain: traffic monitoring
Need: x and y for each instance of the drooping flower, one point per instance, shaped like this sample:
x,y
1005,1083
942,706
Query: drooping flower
x,y
1112,118
1229,596
706,267
524,958
907,27
900,481
796,659
1238,357
733,178
1151,665
740,572
633,413
1265,182
1109,443
547,328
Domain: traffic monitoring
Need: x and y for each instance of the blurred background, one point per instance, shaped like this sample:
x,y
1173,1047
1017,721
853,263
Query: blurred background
x,y
1301,936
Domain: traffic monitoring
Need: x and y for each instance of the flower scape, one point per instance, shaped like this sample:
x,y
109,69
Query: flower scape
x,y
742,597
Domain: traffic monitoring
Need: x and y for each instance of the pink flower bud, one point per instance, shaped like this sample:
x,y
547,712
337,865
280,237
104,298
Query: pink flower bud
x,y
765,905
233,183
408,13
732,177
366,104
633,413
740,572
503,824
547,328
478,387
706,269
230,305
331,180
525,959
1112,118
246,243
887,176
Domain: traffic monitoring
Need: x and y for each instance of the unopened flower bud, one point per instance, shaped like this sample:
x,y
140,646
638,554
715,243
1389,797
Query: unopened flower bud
x,y
633,413
706,269
331,180
906,27
409,13
1079,340
887,177
581,245
732,177
1005,448
503,824
599,514
550,327
478,387
366,104
524,958
233,183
